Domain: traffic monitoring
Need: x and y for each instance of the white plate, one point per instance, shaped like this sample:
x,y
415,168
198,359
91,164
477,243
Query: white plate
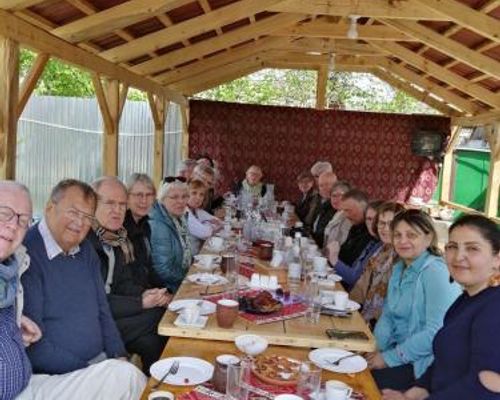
x,y
347,366
192,371
207,279
351,306
207,307
322,395
198,324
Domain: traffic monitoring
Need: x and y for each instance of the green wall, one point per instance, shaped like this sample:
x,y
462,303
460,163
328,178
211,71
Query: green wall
x,y
471,178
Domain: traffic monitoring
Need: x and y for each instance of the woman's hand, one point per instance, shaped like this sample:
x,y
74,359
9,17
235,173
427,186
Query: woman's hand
x,y
490,380
30,331
415,393
375,360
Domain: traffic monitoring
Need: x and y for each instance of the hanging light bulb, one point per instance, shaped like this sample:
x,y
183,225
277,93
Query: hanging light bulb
x,y
352,32
331,62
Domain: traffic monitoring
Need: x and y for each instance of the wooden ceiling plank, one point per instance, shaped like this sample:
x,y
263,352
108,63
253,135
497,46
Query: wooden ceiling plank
x,y
219,60
323,29
36,38
448,46
192,27
114,18
18,4
415,93
446,95
440,73
467,17
367,8
176,57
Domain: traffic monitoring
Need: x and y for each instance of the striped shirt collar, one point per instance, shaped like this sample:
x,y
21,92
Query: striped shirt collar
x,y
51,246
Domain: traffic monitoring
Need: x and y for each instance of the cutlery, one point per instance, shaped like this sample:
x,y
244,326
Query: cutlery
x,y
174,368
336,363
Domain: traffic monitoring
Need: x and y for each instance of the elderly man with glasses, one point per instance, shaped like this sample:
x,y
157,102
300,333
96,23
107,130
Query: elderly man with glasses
x,y
137,306
80,352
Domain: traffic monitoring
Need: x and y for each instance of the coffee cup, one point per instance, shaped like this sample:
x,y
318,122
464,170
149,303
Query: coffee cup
x,y
216,243
319,264
161,395
206,261
191,313
226,313
288,397
337,390
340,299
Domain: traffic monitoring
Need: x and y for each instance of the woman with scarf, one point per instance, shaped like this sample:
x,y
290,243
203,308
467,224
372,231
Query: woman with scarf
x,y
170,242
371,287
136,306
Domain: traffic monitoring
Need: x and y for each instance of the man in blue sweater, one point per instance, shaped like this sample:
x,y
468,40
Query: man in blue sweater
x,y
64,295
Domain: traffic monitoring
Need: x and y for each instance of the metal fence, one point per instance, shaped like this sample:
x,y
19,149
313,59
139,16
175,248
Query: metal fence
x,y
61,137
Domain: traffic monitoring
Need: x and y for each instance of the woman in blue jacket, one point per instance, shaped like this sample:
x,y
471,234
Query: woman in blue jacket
x,y
418,296
170,248
468,342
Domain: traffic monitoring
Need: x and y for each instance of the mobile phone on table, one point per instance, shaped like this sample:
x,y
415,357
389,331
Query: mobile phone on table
x,y
341,334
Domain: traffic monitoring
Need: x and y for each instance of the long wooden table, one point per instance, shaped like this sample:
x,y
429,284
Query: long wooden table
x,y
294,332
208,350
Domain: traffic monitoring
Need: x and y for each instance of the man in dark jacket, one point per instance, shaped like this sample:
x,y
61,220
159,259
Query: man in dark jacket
x,y
136,307
325,211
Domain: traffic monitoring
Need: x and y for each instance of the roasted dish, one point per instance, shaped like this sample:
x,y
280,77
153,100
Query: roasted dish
x,y
262,303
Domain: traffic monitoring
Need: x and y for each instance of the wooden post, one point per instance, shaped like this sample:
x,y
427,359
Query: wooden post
x,y
111,100
9,92
448,165
321,82
185,132
493,135
30,81
159,110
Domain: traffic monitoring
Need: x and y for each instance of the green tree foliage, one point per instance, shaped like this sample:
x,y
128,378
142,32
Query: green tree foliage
x,y
350,91
60,79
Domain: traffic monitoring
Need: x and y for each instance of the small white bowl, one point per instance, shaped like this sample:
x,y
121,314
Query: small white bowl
x,y
161,394
251,344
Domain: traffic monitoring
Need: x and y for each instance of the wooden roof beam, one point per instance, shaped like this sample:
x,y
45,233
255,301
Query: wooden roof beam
x,y
114,18
467,17
446,95
415,93
189,28
229,76
263,27
486,118
36,38
331,46
322,29
366,8
301,58
18,4
440,73
220,60
276,64
447,46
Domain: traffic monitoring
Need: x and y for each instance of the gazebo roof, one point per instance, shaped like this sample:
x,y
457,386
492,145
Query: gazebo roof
x,y
445,52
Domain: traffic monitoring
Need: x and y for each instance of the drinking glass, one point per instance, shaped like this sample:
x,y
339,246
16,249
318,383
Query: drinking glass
x,y
238,380
309,383
313,311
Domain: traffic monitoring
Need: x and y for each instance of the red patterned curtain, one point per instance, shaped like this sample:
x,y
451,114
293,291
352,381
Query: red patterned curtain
x,y
369,150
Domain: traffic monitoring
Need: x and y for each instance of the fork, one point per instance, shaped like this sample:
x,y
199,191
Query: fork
x,y
174,368
336,363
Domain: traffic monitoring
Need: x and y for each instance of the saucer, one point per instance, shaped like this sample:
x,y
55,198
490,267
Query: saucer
x,y
198,324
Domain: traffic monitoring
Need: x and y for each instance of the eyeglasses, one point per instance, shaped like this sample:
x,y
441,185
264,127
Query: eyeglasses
x,y
170,179
114,204
77,215
142,196
7,213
